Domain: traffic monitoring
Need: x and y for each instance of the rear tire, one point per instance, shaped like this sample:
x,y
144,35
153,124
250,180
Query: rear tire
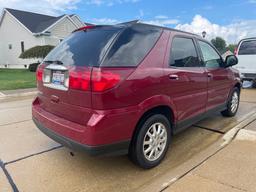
x,y
254,84
150,144
233,103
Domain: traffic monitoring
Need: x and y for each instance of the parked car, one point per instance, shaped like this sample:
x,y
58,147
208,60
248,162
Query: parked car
x,y
127,89
246,53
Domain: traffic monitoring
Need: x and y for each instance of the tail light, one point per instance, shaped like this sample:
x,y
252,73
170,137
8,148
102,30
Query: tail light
x,y
84,28
236,51
39,72
104,80
79,78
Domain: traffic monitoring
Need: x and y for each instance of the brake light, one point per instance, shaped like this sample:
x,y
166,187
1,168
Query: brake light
x,y
104,80
39,72
236,51
84,28
79,79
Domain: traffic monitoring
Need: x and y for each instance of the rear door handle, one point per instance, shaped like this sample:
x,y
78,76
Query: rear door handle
x,y
174,77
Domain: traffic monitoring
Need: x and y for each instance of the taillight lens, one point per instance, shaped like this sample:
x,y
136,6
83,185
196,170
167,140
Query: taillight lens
x,y
104,80
236,51
39,72
96,79
84,28
79,78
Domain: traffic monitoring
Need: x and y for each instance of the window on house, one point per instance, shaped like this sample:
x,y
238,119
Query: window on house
x,y
10,46
22,46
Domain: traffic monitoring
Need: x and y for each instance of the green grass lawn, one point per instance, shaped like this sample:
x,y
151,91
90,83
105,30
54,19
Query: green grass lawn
x,y
17,79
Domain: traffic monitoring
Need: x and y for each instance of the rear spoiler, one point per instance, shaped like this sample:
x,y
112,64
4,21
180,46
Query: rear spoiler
x,y
96,26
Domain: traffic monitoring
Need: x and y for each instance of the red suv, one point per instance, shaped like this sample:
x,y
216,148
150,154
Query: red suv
x,y
129,88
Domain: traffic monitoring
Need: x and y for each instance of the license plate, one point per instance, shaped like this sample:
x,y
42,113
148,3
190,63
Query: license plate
x,y
58,78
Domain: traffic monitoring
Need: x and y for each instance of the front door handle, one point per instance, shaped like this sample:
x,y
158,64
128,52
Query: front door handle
x,y
174,77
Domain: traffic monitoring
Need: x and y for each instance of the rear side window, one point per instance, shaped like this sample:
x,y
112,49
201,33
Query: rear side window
x,y
132,45
183,53
247,48
83,48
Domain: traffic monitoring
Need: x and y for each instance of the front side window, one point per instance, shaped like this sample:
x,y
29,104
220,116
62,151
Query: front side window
x,y
210,57
183,53
248,48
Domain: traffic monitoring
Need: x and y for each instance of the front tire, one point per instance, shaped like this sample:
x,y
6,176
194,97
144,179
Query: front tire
x,y
233,103
151,142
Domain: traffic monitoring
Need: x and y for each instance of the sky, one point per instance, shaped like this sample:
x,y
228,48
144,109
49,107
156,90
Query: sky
x,y
230,19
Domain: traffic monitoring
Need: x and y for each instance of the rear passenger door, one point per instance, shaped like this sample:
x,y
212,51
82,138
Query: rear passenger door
x,y
186,80
219,78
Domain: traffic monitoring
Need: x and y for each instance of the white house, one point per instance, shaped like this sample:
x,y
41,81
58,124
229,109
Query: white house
x,y
21,30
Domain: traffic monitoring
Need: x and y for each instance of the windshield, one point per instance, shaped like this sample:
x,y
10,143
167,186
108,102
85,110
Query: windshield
x,y
248,48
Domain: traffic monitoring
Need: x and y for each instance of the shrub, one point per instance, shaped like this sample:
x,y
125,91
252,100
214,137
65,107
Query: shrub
x,y
36,52
32,67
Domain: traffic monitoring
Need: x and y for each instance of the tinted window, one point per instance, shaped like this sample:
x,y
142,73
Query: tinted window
x,y
83,48
247,48
132,45
183,53
210,56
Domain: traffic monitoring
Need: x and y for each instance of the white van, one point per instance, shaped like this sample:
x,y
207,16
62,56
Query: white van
x,y
246,53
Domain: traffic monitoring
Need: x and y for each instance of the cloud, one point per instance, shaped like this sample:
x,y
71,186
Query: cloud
x,y
232,33
104,21
109,2
161,17
52,7
162,20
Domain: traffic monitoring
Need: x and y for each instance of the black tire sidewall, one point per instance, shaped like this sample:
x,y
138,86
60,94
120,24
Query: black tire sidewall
x,y
141,160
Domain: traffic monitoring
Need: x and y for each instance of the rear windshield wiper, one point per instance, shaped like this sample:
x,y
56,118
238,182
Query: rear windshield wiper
x,y
58,62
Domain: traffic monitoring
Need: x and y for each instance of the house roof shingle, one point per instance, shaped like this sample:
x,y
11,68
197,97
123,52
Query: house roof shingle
x,y
35,22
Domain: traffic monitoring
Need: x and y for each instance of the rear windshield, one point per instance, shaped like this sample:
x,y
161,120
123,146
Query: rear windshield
x,y
83,48
247,48
132,45
113,47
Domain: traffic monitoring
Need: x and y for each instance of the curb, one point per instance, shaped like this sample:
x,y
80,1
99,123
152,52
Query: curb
x,y
165,180
246,135
232,133
4,96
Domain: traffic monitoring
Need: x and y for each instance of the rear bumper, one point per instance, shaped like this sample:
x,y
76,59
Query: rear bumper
x,y
112,149
106,132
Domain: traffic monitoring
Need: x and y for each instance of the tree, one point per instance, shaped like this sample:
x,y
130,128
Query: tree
x,y
220,44
231,47
36,52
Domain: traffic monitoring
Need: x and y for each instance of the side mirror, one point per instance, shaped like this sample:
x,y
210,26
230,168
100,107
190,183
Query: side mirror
x,y
231,60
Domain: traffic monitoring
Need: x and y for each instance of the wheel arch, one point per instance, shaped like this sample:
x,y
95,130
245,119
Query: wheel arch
x,y
239,86
161,109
